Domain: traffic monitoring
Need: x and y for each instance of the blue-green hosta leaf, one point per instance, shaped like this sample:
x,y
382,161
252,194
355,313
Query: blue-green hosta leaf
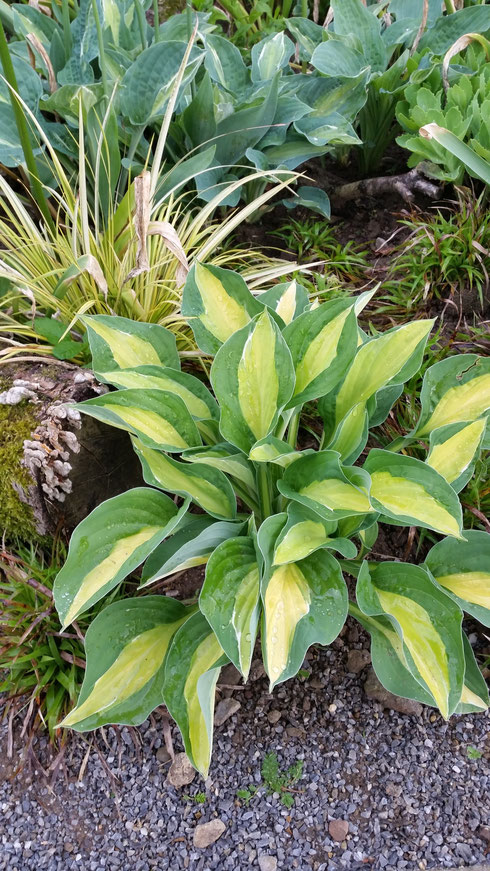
x,y
307,34
304,532
216,303
253,379
455,389
293,152
125,649
446,30
313,198
28,19
195,540
407,491
335,96
160,419
319,482
427,622
270,55
323,343
150,80
351,16
226,457
120,343
30,90
192,668
110,544
230,599
198,118
288,300
304,603
274,450
462,569
196,397
209,488
328,130
244,128
225,65
335,58
454,450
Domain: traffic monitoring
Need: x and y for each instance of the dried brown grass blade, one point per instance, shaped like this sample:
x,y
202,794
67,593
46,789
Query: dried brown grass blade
x,y
142,196
34,42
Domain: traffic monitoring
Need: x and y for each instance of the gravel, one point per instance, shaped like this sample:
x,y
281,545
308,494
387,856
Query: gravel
x,y
405,785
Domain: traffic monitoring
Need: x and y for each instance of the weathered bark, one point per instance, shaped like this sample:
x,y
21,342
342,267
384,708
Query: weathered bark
x,y
406,186
71,462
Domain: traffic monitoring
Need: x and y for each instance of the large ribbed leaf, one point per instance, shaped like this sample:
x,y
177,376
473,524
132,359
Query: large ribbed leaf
x,y
426,621
319,482
125,649
230,599
462,569
352,17
109,544
191,671
410,493
446,30
120,343
253,379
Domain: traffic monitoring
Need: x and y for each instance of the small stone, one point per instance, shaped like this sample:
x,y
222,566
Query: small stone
x,y
163,755
229,676
295,732
332,708
206,834
357,660
338,829
225,709
375,690
267,863
257,670
181,772
484,833
274,717
68,847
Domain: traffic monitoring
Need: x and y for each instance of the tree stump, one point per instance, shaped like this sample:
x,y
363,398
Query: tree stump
x,y
56,465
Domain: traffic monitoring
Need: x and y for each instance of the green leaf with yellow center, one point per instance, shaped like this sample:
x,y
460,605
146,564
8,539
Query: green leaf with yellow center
x,y
195,395
109,544
124,679
288,300
427,622
454,390
160,419
411,493
191,671
319,482
454,450
462,569
121,343
305,532
253,378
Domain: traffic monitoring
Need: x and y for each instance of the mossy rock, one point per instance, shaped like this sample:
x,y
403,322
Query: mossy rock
x,y
17,422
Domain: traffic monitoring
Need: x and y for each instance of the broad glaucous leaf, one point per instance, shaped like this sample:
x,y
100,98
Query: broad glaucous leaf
x,y
191,545
230,599
462,569
225,65
109,544
207,487
125,649
245,127
30,90
253,379
407,492
448,28
304,603
192,668
427,622
120,343
351,16
270,55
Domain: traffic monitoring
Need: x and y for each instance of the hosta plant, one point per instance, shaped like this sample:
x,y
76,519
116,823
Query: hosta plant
x,y
276,526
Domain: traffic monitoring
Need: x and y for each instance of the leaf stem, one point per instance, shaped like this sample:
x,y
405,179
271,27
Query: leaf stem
x,y
263,486
293,429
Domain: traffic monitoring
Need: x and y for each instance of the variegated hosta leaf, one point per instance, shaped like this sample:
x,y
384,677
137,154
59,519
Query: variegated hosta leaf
x,y
226,457
197,398
454,450
304,603
322,484
474,698
323,343
209,488
462,569
123,681
288,300
253,378
159,418
193,543
230,599
427,622
274,450
411,493
216,302
120,343
392,357
109,544
305,531
454,390
192,668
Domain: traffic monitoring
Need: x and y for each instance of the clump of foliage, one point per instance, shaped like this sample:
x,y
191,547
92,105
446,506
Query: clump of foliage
x,y
316,239
274,780
278,525
16,424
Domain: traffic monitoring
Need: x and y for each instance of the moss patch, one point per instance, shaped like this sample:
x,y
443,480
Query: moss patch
x,y
17,422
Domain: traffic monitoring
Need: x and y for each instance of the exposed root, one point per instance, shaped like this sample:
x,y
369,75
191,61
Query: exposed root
x,y
405,186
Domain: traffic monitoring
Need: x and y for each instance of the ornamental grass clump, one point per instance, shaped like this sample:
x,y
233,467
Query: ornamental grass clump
x,y
276,526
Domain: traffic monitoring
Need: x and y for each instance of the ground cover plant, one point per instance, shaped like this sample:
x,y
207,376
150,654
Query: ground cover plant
x,y
279,528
